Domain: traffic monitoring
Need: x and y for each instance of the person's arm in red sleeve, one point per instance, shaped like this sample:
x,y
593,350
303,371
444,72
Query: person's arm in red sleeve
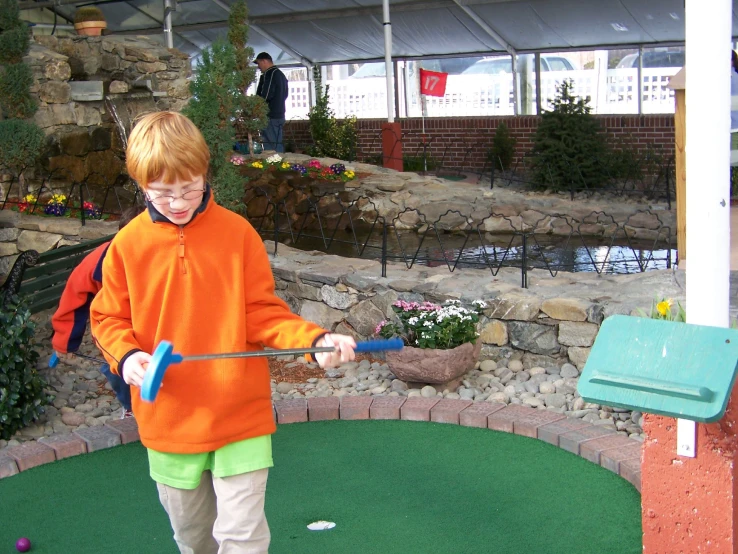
x,y
70,319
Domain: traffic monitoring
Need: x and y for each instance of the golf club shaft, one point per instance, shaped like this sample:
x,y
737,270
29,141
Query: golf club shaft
x,y
86,357
259,353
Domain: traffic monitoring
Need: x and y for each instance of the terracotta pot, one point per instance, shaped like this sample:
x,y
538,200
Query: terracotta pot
x,y
429,365
90,28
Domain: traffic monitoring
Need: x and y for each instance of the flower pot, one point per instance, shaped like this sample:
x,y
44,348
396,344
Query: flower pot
x,y
430,365
90,28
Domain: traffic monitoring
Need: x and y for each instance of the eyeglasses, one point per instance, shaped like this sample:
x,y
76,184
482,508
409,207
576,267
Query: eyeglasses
x,y
163,199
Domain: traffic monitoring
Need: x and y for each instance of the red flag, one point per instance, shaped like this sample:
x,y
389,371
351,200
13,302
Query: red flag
x,y
432,83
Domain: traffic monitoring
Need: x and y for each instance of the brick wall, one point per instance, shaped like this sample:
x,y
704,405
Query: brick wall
x,y
463,142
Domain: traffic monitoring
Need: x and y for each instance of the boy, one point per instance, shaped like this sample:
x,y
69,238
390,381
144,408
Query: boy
x,y
69,322
196,274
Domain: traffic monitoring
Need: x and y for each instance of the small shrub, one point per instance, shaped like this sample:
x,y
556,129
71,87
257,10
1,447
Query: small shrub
x,y
503,148
568,148
14,43
21,140
331,138
22,396
88,13
15,101
21,143
415,163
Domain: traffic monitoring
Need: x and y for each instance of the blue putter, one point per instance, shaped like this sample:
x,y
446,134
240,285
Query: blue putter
x,y
164,356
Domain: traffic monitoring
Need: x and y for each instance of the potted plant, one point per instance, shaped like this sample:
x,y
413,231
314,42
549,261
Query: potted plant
x,y
89,21
441,342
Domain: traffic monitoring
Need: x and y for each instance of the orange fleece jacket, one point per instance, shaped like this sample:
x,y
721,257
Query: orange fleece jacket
x,y
208,288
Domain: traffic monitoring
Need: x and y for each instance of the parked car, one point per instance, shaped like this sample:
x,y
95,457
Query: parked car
x,y
503,64
653,59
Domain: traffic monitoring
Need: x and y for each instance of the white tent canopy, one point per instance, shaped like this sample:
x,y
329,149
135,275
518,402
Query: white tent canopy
x,y
339,31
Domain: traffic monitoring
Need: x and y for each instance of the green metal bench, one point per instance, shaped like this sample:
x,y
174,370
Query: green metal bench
x,y
40,278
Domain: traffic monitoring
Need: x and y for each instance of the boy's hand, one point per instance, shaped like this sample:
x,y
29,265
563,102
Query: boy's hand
x,y
344,350
134,368
64,356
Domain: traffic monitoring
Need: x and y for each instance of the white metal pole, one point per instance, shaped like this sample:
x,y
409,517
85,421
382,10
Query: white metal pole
x,y
168,9
639,88
708,38
388,61
516,85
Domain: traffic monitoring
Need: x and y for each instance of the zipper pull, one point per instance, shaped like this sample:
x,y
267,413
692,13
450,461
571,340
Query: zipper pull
x,y
181,251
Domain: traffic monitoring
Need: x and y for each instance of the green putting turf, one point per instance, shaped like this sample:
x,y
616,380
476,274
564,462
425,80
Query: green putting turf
x,y
390,487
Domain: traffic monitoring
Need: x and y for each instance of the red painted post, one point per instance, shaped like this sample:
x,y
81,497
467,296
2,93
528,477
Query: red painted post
x,y
392,145
688,504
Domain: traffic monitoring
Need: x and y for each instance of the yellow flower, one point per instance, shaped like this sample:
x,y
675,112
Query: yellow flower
x,y
663,307
285,165
258,165
349,174
30,198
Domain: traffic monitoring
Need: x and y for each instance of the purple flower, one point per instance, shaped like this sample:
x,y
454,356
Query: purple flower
x,y
300,168
337,169
55,209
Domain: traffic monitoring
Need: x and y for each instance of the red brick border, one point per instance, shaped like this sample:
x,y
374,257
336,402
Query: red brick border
x,y
323,408
66,445
418,408
597,444
30,454
448,410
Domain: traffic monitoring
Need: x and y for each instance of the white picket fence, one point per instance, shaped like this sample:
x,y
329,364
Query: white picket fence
x,y
615,92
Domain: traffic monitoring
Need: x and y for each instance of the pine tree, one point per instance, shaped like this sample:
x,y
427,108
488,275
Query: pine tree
x,y
212,109
251,110
569,148
503,148
331,138
21,141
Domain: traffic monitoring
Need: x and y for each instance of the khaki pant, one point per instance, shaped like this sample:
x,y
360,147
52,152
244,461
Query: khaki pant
x,y
221,516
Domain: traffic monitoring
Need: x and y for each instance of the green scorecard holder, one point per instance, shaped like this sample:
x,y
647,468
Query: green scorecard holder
x,y
661,367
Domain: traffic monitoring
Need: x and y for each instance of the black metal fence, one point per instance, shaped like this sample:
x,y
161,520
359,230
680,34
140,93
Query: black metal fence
x,y
333,223
94,197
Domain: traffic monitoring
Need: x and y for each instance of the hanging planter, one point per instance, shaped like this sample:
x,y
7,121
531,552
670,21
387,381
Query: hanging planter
x,y
89,21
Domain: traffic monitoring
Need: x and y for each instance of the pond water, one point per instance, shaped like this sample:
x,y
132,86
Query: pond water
x,y
554,253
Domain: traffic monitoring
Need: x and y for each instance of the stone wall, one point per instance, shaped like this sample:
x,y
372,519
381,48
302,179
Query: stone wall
x,y
20,232
72,78
553,322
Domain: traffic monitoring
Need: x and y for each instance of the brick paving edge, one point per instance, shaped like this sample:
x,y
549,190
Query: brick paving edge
x,y
9,465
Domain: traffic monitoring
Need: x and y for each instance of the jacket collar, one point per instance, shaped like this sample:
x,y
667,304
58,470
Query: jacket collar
x,y
158,217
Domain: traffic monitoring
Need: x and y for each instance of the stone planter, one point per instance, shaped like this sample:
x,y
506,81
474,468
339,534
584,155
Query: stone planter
x,y
429,365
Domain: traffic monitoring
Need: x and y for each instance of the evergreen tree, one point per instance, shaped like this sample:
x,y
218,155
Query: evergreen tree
x,y
503,148
212,109
21,141
331,138
569,148
251,110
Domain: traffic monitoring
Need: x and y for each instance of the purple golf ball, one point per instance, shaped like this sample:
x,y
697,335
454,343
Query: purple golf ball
x,y
23,545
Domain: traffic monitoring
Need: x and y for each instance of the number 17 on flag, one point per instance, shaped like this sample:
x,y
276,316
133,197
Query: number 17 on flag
x,y
432,83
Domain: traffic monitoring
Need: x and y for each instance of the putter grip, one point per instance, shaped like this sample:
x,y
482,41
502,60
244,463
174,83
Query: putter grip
x,y
379,344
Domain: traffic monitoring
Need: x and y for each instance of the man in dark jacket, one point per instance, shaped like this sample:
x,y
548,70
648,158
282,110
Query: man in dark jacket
x,y
273,88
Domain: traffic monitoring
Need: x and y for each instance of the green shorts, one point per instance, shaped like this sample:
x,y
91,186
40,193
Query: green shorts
x,y
183,471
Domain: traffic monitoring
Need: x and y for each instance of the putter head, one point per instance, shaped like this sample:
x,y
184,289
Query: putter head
x,y
162,358
53,361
